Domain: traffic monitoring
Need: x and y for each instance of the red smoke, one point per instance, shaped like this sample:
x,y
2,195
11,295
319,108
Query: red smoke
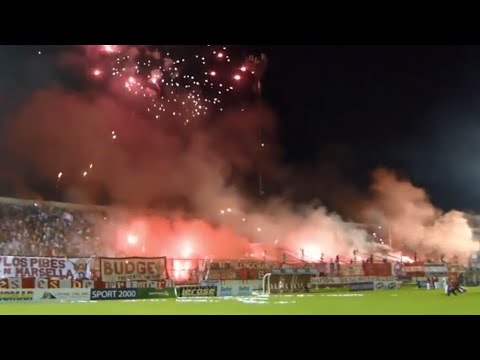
x,y
178,238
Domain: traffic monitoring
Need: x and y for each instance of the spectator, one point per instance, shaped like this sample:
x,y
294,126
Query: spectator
x,y
32,229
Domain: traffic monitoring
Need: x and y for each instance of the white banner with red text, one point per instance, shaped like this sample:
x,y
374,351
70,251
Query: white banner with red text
x,y
20,266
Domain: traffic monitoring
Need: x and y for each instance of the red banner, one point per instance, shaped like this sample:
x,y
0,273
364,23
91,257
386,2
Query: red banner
x,y
377,269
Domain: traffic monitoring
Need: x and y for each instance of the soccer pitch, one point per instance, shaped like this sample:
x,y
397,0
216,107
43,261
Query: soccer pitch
x,y
407,301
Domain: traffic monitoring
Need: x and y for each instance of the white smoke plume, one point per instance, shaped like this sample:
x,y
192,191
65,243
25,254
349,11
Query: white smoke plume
x,y
415,224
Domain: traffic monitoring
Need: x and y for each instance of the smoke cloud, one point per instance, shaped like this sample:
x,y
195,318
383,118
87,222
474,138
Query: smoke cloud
x,y
413,221
196,173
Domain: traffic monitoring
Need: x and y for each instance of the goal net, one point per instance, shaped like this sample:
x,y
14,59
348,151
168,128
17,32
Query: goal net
x,y
287,281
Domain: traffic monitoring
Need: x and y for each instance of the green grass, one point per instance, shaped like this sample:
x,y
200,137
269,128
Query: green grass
x,y
407,301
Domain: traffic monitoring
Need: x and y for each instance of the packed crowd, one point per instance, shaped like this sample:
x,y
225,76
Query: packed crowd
x,y
36,229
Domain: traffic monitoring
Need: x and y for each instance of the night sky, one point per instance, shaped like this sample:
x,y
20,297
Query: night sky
x,y
344,110
414,109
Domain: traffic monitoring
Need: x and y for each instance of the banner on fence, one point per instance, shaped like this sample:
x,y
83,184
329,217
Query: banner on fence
x,y
197,291
436,268
257,265
16,295
235,290
386,285
19,266
343,280
351,270
77,294
414,268
45,295
130,269
226,291
377,269
83,283
11,283
398,269
210,283
222,274
132,294
295,271
156,293
48,283
113,294
44,283
361,286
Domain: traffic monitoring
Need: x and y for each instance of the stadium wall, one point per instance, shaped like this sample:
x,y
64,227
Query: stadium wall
x,y
84,294
160,273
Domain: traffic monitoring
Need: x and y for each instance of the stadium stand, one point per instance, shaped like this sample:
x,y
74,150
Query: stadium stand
x,y
34,228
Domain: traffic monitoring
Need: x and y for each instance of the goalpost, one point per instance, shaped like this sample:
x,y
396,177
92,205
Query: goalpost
x,y
287,280
266,284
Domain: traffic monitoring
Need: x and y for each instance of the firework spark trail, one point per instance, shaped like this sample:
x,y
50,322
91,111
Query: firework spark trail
x,y
161,78
164,85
